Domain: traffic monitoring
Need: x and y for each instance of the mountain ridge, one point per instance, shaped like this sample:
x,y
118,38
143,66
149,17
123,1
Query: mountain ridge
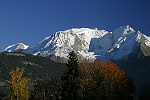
x,y
88,43
128,48
16,47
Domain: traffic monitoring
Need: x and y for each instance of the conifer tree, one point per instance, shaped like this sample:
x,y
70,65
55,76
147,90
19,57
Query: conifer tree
x,y
18,84
70,79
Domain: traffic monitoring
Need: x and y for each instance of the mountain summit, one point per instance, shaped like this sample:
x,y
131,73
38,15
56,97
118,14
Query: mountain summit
x,y
128,48
89,43
16,47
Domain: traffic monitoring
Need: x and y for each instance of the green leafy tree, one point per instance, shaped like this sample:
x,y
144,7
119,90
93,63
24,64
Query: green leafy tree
x,y
70,79
18,84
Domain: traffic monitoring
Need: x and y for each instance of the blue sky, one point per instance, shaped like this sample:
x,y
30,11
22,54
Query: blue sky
x,y
29,21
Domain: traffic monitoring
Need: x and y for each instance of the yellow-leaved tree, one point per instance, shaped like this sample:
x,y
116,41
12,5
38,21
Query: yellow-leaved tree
x,y
18,84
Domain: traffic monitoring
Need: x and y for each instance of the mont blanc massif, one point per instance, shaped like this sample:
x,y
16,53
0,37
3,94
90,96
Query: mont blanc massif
x,y
125,46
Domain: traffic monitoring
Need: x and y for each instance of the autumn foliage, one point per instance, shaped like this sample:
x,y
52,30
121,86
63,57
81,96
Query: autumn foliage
x,y
104,80
18,84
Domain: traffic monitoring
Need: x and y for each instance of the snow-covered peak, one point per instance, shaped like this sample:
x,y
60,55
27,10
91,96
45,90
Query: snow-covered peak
x,y
87,31
125,39
16,47
62,42
123,30
87,43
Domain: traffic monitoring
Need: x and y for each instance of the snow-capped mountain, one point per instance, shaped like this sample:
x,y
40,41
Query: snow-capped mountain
x,y
16,47
89,43
128,48
80,40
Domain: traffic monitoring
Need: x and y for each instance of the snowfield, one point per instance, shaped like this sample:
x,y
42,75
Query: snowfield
x,y
88,43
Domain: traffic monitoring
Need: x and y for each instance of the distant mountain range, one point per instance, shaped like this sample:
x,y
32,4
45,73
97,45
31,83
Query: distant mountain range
x,y
130,49
88,43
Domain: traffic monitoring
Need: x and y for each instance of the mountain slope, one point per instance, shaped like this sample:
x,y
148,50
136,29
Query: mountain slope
x,y
16,47
91,44
130,49
35,67
61,43
137,66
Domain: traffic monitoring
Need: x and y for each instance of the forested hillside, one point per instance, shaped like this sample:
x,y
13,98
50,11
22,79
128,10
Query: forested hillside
x,y
48,80
36,68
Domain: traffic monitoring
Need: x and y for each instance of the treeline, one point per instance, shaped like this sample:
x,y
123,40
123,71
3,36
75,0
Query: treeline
x,y
97,81
81,81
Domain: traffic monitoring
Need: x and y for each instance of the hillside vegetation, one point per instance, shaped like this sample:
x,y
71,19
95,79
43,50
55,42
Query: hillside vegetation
x,y
36,68
49,80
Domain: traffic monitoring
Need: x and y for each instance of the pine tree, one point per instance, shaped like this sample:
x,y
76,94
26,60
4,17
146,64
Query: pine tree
x,y
70,79
18,85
